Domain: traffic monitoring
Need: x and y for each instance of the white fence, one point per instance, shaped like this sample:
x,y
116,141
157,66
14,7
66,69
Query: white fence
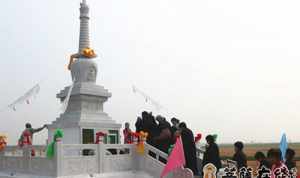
x,y
15,160
82,159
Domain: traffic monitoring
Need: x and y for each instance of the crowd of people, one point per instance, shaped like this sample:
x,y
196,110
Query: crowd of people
x,y
272,160
162,134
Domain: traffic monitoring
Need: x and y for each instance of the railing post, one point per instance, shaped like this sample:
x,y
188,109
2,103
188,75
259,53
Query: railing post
x,y
58,158
2,153
2,160
101,154
143,158
26,152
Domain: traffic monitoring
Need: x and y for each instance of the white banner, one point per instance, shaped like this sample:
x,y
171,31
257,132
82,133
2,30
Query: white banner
x,y
147,98
26,98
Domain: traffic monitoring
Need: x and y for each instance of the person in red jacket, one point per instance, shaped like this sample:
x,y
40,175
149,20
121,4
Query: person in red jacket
x,y
27,135
127,134
26,138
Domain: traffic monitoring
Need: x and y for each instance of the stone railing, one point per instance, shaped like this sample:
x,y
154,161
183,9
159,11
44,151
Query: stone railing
x,y
89,159
40,151
121,158
77,159
16,160
153,161
82,159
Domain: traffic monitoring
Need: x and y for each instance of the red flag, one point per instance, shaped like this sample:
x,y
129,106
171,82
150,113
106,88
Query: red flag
x,y
176,158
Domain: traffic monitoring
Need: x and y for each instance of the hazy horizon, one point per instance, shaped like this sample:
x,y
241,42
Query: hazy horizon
x,y
224,67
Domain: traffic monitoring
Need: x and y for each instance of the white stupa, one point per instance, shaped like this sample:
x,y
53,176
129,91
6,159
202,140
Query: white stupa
x,y
84,115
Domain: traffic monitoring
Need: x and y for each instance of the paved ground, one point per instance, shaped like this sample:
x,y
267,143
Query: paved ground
x,y
130,174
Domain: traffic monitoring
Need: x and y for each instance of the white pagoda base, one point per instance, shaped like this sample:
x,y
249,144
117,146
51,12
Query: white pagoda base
x,y
84,116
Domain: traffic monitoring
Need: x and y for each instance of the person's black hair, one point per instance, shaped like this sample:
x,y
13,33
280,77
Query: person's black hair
x,y
28,125
144,113
210,139
239,145
290,153
259,155
182,125
270,152
159,118
274,153
174,120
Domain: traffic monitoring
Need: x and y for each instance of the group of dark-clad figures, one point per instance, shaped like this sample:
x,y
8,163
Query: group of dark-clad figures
x,y
162,134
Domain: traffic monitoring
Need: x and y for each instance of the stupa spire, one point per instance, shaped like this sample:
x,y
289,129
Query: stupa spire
x,y
84,37
84,50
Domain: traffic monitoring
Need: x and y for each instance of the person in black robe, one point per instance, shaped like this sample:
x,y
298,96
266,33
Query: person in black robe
x,y
138,124
189,147
174,128
212,153
164,139
150,126
239,156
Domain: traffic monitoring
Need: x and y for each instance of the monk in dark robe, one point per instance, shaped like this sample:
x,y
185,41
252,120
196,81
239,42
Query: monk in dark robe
x,y
189,147
211,154
150,126
139,124
175,123
164,139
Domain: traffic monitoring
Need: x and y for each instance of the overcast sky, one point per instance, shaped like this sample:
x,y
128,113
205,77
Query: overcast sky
x,y
225,67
